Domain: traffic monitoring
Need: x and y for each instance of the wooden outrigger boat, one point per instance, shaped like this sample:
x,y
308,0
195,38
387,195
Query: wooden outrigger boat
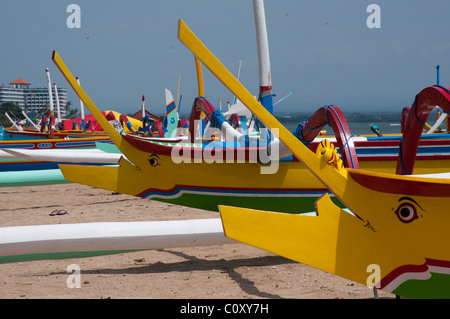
x,y
39,166
23,148
393,233
393,236
13,162
168,172
64,129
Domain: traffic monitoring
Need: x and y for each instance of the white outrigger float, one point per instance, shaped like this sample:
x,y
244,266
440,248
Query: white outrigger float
x,y
41,242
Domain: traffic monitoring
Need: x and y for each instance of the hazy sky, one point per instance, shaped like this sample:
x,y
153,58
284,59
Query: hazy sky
x,y
322,49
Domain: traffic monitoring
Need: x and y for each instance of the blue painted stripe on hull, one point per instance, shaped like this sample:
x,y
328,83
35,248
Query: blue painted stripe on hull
x,y
233,192
74,144
17,146
399,137
28,166
431,150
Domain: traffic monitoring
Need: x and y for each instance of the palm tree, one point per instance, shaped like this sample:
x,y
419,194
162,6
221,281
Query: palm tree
x,y
71,113
11,108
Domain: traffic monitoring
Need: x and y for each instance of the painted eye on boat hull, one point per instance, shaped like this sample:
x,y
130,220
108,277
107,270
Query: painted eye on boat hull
x,y
153,160
406,213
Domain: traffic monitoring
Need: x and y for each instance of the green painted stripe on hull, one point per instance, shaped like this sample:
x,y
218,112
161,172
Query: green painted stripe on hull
x,y
437,287
61,255
292,205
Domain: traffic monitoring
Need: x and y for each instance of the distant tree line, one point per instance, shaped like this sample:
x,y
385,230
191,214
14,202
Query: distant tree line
x,y
11,108
393,117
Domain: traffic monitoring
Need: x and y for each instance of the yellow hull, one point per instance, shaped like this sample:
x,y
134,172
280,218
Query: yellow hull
x,y
207,185
395,229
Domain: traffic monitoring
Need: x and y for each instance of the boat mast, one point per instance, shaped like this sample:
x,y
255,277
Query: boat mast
x,y
143,113
437,73
143,108
50,94
57,103
83,121
265,82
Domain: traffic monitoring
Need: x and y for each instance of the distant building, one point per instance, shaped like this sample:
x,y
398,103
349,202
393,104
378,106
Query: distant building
x,y
32,99
15,92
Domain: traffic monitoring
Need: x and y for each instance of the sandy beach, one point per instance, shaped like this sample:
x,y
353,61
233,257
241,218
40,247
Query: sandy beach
x,y
229,271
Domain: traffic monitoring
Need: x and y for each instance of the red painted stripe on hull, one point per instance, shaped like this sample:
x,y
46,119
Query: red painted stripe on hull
x,y
400,186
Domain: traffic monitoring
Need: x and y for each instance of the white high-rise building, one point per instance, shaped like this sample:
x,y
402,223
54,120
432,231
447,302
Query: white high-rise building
x,y
32,99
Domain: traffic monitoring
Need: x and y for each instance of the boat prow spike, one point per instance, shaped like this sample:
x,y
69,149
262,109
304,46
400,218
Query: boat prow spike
x,y
310,238
113,178
115,136
330,176
123,145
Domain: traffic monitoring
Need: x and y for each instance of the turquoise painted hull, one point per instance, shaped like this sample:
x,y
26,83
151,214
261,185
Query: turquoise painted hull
x,y
31,178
